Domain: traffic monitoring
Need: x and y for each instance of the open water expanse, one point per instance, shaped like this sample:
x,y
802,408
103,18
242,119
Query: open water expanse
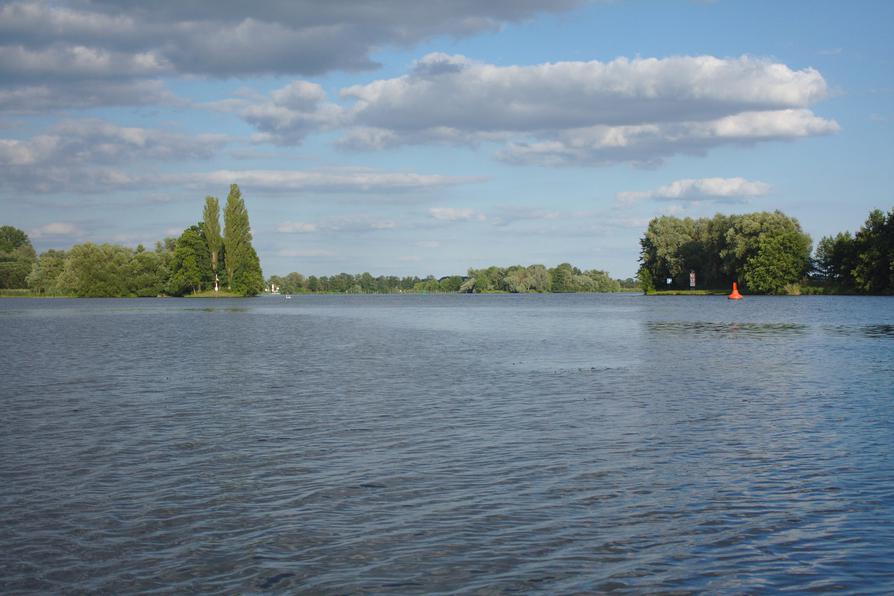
x,y
447,444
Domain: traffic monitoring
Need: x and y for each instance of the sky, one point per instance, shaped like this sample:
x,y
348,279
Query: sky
x,y
412,138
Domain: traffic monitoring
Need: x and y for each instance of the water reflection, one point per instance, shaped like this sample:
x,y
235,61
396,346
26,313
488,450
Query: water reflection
x,y
722,328
870,331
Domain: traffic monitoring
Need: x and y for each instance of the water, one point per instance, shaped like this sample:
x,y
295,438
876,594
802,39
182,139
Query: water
x,y
445,444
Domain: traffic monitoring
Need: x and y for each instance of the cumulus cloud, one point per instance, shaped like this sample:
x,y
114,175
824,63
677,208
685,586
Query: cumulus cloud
x,y
701,189
101,40
640,110
456,214
648,144
82,155
288,114
456,93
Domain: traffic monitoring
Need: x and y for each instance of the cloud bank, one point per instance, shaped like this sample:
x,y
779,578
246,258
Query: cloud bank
x,y
51,50
87,155
567,113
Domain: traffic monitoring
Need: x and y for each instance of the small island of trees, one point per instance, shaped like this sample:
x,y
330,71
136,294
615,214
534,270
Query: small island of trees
x,y
188,265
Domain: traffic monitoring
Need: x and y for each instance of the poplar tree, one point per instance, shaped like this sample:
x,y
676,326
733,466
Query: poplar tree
x,y
211,215
240,259
236,232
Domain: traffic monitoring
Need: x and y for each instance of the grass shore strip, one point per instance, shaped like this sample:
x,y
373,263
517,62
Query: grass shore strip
x,y
213,294
687,292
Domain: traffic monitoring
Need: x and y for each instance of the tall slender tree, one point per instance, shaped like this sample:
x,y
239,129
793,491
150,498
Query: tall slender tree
x,y
211,215
236,232
243,267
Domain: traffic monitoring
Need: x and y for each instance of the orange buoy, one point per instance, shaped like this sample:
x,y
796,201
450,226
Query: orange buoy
x,y
735,295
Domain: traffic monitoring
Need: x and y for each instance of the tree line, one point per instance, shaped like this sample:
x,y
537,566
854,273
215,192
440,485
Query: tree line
x,y
189,264
514,279
862,263
766,253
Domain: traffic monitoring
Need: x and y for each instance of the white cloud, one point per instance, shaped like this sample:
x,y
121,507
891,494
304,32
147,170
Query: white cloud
x,y
305,253
59,228
510,214
648,144
456,214
456,93
296,227
290,113
428,243
587,113
701,189
351,224
338,180
409,258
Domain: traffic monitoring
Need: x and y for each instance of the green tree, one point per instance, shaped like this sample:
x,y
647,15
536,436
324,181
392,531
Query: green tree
x,y
148,273
722,249
248,279
602,281
836,259
211,218
17,257
780,260
237,233
190,263
242,265
45,272
96,270
873,272
516,280
562,278
662,251
538,279
450,283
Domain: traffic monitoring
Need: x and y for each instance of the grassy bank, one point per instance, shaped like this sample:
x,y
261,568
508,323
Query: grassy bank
x,y
213,294
687,293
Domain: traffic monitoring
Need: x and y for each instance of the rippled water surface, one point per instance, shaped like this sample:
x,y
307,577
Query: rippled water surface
x,y
552,443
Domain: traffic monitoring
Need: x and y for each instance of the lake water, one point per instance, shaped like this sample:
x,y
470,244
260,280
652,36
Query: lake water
x,y
442,444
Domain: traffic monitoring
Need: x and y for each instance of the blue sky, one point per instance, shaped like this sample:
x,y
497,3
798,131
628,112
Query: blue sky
x,y
426,138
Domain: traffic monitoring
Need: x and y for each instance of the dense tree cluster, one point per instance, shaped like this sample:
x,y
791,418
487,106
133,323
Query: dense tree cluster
x,y
17,256
766,253
515,279
95,270
537,278
185,265
363,283
862,263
